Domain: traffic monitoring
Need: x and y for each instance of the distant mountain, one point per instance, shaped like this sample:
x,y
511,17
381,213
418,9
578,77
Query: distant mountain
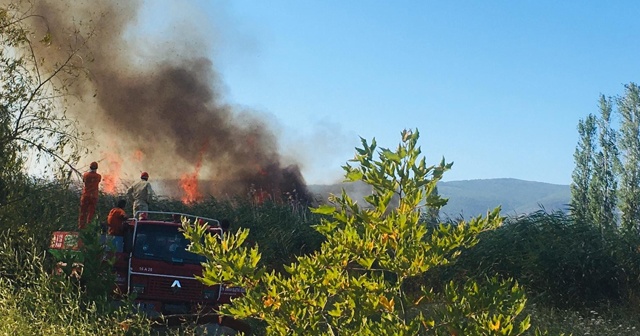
x,y
470,198
475,197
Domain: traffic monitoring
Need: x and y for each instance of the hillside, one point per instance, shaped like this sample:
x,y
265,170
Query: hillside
x,y
475,197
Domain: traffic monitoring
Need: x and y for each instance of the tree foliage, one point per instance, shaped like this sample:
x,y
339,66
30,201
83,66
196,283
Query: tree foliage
x,y
356,282
629,110
583,170
606,179
562,263
34,92
603,185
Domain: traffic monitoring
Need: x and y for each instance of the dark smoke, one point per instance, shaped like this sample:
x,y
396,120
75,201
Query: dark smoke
x,y
167,106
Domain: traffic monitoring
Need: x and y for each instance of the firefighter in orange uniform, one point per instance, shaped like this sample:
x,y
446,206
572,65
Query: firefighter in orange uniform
x,y
116,219
89,197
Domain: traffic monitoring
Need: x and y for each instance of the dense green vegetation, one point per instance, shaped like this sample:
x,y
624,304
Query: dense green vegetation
x,y
606,190
63,305
35,302
356,282
571,273
570,270
379,270
564,263
579,278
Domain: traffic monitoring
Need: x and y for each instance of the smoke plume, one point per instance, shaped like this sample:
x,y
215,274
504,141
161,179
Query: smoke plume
x,y
159,111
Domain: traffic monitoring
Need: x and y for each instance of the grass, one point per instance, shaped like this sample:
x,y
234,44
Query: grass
x,y
35,302
612,321
32,302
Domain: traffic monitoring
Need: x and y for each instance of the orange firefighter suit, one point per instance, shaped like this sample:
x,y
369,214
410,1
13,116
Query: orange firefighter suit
x,y
116,218
89,197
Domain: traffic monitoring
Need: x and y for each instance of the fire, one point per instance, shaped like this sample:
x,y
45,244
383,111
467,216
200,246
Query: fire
x,y
109,184
261,196
262,171
112,175
137,155
189,183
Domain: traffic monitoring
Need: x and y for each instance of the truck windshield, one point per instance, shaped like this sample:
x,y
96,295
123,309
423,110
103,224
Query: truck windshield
x,y
163,242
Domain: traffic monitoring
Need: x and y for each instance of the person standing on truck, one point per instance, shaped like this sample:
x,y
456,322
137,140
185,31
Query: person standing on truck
x,y
89,198
116,219
141,193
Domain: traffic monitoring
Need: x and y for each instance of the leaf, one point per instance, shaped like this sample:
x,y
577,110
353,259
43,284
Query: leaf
x,y
268,301
324,209
354,175
391,156
495,325
366,262
336,312
525,324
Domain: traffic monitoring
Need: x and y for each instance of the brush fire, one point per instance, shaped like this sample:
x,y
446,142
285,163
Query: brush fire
x,y
155,104
189,185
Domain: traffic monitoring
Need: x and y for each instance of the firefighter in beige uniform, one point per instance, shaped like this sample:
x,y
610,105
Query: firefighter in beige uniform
x,y
141,194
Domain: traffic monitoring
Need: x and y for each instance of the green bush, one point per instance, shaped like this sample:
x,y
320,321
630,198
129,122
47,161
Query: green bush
x,y
355,283
38,208
35,302
560,262
608,321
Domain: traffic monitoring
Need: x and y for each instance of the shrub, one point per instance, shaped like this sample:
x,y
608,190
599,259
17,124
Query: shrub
x,y
35,302
560,262
354,283
39,207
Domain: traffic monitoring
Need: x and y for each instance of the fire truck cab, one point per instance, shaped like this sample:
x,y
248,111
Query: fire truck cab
x,y
151,261
155,265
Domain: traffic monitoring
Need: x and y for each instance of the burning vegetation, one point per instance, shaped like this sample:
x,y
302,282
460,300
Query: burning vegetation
x,y
152,107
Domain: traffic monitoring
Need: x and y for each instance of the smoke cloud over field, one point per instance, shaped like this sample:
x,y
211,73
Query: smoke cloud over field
x,y
158,111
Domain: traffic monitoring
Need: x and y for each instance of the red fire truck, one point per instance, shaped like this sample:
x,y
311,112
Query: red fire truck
x,y
151,261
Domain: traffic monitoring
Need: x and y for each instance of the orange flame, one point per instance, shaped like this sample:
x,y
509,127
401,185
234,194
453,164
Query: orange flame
x,y
110,179
189,183
137,155
261,171
261,196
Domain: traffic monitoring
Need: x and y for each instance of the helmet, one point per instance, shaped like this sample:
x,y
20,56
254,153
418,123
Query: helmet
x,y
144,175
93,165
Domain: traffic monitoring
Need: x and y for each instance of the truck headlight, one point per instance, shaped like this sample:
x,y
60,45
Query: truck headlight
x,y
209,294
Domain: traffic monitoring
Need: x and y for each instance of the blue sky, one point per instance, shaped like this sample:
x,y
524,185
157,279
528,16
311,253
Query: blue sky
x,y
497,87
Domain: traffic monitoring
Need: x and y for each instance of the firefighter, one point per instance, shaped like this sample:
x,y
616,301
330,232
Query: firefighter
x,y
141,193
116,219
89,197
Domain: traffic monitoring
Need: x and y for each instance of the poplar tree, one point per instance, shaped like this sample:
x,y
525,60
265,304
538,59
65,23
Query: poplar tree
x,y
629,144
602,196
583,170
